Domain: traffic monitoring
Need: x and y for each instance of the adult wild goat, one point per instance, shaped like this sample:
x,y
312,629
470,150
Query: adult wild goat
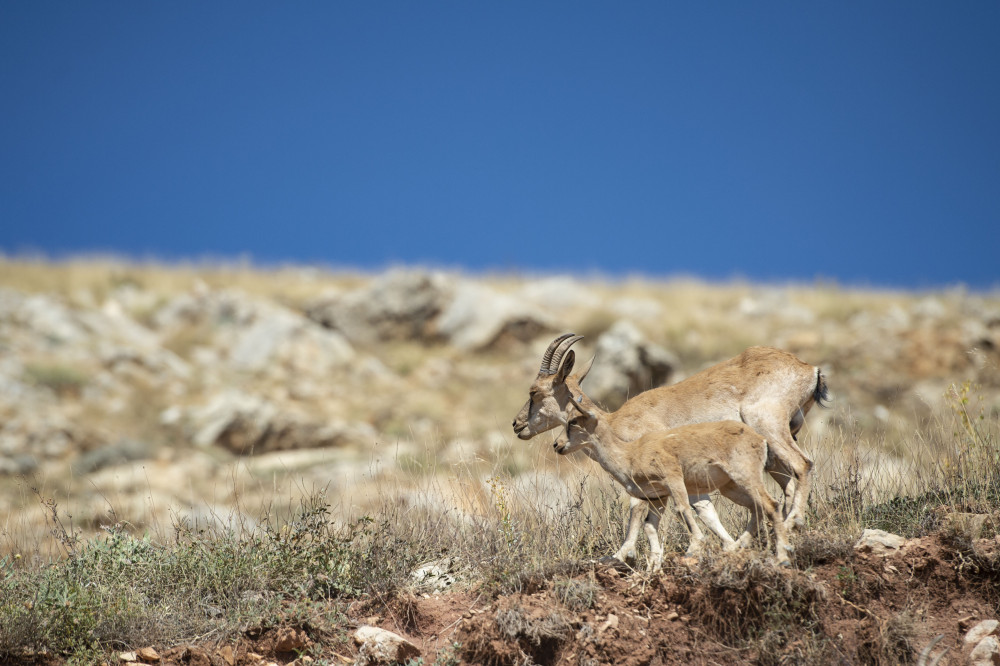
x,y
768,389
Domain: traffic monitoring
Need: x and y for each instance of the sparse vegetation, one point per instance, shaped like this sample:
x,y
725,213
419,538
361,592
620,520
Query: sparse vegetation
x,y
165,547
64,380
125,590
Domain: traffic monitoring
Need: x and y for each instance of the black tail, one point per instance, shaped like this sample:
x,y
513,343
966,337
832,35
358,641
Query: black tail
x,y
821,393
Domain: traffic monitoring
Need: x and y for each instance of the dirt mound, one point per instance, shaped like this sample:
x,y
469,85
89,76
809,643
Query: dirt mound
x,y
854,608
840,607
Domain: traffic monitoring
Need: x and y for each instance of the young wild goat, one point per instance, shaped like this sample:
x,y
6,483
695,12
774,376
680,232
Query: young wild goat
x,y
727,456
768,389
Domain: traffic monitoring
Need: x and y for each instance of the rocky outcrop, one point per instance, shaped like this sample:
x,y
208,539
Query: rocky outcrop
x,y
400,305
431,308
111,376
626,364
478,318
244,423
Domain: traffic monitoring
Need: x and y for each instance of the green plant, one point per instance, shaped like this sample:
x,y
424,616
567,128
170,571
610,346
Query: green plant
x,y
449,656
122,589
62,379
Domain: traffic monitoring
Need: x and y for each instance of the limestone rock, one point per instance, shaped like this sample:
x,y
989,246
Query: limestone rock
x,y
986,652
969,525
479,317
434,576
281,340
245,423
205,306
627,364
878,542
981,631
50,320
399,305
380,646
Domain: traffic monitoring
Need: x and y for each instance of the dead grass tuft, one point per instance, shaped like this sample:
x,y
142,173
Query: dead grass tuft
x,y
890,643
525,636
815,547
740,597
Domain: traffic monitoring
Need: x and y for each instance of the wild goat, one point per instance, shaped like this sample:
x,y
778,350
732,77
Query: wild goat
x,y
727,456
768,389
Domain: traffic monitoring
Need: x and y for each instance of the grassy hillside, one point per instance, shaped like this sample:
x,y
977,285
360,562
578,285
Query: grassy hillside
x,y
197,457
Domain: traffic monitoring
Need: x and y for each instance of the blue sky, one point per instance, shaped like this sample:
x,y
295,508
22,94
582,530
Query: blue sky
x,y
857,142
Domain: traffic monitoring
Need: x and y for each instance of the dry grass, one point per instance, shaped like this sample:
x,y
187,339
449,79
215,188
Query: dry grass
x,y
445,475
97,277
503,532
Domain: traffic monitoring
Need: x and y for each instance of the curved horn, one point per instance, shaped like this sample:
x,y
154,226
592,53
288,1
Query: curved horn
x,y
562,349
547,357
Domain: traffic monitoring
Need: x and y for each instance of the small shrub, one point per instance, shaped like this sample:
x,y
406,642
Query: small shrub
x,y
743,599
576,594
816,547
449,656
890,643
119,589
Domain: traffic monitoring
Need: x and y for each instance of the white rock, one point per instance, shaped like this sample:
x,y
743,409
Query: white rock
x,y
981,631
281,340
255,345
380,646
212,420
878,542
51,320
986,652
396,306
627,364
477,315
434,576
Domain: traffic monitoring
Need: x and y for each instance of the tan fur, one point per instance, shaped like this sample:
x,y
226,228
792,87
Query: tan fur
x,y
768,389
727,456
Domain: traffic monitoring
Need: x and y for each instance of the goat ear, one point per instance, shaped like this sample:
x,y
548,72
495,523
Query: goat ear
x,y
575,401
586,370
566,367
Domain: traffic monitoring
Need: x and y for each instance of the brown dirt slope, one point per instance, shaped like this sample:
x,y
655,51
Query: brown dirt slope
x,y
834,608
